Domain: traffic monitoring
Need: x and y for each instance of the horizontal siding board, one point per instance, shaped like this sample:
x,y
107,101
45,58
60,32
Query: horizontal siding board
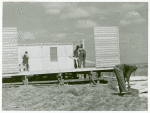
x,y
104,64
110,61
10,45
110,55
104,33
9,50
10,42
7,32
7,28
105,38
5,59
107,56
103,28
97,49
99,52
106,46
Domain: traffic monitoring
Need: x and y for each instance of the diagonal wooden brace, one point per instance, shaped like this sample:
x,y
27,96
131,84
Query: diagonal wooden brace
x,y
59,78
91,79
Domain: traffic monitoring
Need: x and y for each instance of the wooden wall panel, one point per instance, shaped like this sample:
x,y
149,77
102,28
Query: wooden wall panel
x,y
106,46
9,50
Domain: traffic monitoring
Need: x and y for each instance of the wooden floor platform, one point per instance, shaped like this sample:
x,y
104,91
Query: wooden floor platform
x,y
57,71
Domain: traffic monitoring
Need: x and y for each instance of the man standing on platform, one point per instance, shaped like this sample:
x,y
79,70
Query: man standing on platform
x,y
82,56
76,55
123,73
25,61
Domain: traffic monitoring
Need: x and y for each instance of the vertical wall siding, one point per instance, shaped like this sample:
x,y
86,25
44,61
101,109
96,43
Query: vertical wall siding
x,y
106,46
9,50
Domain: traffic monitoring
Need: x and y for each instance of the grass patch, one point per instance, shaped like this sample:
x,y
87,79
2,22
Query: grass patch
x,y
69,98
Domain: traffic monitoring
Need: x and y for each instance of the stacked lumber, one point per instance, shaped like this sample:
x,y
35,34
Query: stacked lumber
x,y
139,85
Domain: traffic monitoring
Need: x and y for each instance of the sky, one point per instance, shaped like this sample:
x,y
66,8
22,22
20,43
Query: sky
x,y
67,22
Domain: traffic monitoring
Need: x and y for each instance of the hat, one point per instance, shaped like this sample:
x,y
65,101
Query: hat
x,y
134,67
77,47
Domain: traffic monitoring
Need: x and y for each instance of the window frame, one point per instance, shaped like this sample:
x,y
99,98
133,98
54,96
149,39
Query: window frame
x,y
53,54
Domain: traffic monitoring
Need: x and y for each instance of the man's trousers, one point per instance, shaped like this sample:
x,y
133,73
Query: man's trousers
x,y
120,78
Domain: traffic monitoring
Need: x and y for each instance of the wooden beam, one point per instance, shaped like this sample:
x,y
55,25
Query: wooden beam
x,y
52,81
25,80
91,79
99,74
84,75
59,78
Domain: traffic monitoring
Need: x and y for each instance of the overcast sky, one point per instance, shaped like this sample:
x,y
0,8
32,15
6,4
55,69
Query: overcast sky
x,y
67,22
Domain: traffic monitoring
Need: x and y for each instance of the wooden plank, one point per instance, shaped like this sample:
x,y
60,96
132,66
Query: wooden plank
x,y
58,71
105,33
91,79
105,65
108,62
51,81
13,39
9,36
107,59
110,43
145,89
107,56
7,28
105,27
105,30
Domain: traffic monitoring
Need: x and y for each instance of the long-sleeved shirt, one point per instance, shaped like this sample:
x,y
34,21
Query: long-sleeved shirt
x,y
25,58
127,70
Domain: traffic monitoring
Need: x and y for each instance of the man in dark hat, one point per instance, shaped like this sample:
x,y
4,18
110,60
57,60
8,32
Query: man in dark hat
x,y
76,55
25,61
123,73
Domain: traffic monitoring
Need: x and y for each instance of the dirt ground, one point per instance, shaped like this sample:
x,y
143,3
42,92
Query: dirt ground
x,y
84,97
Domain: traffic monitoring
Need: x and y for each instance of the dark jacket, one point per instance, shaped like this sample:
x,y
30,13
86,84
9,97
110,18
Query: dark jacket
x,y
82,54
25,58
127,70
76,53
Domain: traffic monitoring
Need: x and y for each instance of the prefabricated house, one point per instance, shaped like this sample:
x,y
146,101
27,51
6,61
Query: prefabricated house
x,y
48,56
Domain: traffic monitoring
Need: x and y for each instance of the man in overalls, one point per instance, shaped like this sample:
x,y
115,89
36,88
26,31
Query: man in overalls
x,y
123,73
25,61
82,56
